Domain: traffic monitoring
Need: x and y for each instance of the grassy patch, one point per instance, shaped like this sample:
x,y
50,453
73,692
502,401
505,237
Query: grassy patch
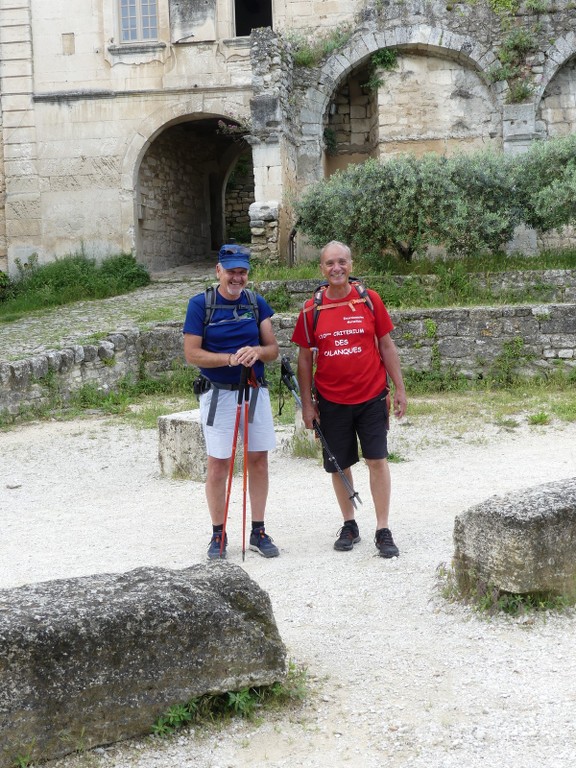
x,y
159,314
247,703
539,419
456,586
66,280
303,445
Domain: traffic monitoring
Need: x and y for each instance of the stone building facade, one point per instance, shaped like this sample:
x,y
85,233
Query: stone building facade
x,y
121,121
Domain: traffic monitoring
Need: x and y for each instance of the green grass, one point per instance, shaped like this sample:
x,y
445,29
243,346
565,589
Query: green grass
x,y
386,265
456,585
425,283
76,278
539,419
66,280
247,703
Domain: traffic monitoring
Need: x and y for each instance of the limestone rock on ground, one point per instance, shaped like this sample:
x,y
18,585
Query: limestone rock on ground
x,y
523,542
97,659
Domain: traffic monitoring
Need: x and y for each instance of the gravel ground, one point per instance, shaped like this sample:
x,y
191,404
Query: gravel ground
x,y
397,676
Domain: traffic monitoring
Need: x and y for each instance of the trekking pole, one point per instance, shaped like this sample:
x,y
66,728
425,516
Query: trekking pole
x,y
290,380
241,387
245,460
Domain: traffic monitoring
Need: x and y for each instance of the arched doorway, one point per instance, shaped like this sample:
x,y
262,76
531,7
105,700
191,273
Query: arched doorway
x,y
181,212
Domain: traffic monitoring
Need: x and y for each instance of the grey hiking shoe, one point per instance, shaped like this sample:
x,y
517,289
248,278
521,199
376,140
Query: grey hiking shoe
x,y
214,547
385,543
261,542
348,535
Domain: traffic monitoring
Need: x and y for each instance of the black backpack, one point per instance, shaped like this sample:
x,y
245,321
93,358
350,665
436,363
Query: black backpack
x,y
210,296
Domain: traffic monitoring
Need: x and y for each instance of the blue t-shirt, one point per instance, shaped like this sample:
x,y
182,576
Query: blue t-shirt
x,y
227,331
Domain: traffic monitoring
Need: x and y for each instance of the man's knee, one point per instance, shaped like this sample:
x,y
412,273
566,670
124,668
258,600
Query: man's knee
x,y
217,468
258,460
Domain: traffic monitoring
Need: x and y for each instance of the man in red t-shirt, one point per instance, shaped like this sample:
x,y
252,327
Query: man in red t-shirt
x,y
347,335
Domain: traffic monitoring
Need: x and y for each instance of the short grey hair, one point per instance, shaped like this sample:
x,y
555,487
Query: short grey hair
x,y
343,246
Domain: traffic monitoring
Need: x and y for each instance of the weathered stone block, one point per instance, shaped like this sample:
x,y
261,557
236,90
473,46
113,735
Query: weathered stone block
x,y
98,659
523,542
181,445
106,350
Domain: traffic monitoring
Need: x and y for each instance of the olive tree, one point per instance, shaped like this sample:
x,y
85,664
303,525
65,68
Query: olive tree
x,y
545,183
406,204
467,204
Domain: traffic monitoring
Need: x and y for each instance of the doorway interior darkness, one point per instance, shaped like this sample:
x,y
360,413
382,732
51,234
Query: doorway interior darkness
x,y
251,14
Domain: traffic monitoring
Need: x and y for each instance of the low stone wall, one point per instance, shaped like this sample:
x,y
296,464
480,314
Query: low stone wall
x,y
546,285
468,340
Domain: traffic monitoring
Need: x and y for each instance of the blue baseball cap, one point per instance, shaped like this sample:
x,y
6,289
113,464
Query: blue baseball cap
x,y
234,256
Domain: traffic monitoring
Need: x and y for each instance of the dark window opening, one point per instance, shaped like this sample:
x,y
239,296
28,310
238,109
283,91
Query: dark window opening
x,y
251,14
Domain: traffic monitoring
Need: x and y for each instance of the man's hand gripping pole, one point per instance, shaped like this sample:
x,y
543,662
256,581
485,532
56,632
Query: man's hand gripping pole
x,y
289,379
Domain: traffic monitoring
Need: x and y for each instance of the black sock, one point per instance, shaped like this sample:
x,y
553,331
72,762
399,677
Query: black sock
x,y
259,524
351,523
217,528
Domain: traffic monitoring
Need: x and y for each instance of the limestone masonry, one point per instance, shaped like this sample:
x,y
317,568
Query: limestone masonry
x,y
124,125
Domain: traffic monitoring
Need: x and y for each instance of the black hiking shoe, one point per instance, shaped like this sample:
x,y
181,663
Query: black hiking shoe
x,y
385,543
261,542
348,535
214,548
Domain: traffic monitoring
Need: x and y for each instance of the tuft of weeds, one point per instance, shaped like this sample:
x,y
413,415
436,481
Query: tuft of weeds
x,y
396,458
246,703
507,423
539,419
303,445
457,585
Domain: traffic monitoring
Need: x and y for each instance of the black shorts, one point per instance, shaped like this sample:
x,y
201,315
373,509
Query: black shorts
x,y
344,425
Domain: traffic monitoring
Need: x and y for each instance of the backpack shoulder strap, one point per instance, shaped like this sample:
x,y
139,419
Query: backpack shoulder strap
x,y
362,292
252,298
316,304
210,305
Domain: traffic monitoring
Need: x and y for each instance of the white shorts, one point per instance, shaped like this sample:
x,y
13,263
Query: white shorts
x,y
218,437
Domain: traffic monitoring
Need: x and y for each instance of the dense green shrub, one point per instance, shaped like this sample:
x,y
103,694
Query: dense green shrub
x,y
72,278
469,203
5,286
544,182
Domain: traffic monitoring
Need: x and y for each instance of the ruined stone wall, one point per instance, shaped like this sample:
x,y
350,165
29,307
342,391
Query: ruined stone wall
x,y
80,110
3,245
430,104
239,198
468,340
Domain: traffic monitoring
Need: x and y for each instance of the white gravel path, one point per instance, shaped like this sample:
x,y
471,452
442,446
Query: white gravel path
x,y
398,677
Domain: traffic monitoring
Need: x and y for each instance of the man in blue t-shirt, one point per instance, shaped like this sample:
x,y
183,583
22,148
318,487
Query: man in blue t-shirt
x,y
234,337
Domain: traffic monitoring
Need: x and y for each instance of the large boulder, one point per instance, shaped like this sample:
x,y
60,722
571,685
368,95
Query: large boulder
x,y
523,542
98,659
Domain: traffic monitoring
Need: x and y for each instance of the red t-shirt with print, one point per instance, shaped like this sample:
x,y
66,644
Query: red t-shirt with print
x,y
349,368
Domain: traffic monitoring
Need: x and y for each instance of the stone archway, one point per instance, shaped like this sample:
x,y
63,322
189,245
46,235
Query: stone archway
x,y
556,116
466,59
556,108
178,180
